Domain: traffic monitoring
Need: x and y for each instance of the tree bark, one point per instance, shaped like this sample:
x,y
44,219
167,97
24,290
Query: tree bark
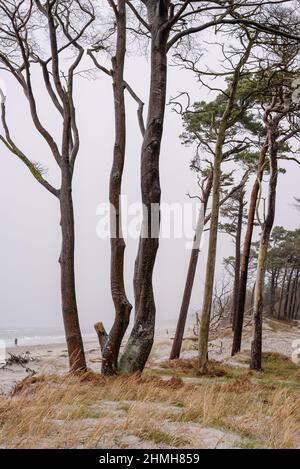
x,y
140,342
282,292
297,310
177,343
273,286
287,294
238,327
123,308
256,344
68,290
212,250
294,295
102,334
237,265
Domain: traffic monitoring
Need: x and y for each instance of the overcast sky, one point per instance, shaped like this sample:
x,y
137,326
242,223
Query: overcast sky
x,y
30,233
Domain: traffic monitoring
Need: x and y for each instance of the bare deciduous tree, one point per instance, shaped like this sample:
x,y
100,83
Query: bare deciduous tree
x,y
111,343
23,24
167,26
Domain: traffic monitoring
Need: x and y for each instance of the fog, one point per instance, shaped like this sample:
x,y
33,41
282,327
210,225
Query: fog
x,y
30,233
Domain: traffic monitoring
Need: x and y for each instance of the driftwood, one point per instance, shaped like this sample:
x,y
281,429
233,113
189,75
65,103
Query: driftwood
x,y
21,360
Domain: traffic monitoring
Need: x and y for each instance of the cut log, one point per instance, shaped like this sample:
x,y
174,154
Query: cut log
x,y
102,334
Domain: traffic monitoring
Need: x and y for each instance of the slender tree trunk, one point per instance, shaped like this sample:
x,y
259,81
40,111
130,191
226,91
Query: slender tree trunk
x,y
68,292
294,296
177,343
214,223
237,265
252,295
287,294
291,295
275,291
238,329
256,344
282,293
212,250
140,342
122,306
272,292
297,310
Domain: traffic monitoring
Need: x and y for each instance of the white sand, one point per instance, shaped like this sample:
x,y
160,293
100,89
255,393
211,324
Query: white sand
x,y
52,358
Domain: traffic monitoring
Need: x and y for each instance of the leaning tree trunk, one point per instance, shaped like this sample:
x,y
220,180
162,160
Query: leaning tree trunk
x,y
68,292
256,344
177,343
237,264
110,352
242,290
140,342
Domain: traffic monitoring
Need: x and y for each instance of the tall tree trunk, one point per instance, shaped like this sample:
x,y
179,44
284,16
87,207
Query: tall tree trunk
x,y
140,342
252,296
294,296
122,306
213,234
68,292
282,292
237,264
287,294
212,250
177,343
272,291
297,308
256,344
275,292
238,328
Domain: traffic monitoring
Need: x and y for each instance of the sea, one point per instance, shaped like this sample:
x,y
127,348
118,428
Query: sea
x,y
55,335
38,336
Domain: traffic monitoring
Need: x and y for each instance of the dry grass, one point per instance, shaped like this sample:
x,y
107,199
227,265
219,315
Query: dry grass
x,y
189,367
276,325
92,411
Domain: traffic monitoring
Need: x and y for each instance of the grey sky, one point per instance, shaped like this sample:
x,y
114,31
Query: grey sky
x,y
30,235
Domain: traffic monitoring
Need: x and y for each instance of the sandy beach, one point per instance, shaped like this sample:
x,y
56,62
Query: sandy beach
x,y
53,359
44,359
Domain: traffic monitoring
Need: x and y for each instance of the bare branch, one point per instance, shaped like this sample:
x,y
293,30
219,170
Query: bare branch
x,y
35,170
138,16
140,107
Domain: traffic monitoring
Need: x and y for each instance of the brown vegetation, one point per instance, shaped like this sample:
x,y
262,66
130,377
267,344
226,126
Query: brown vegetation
x,y
89,410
